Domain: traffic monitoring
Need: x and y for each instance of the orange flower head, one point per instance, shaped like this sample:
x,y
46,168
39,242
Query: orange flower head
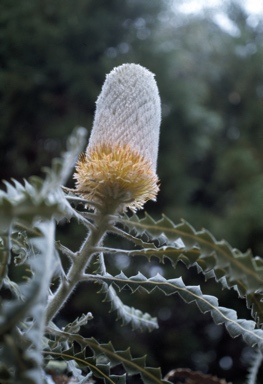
x,y
119,175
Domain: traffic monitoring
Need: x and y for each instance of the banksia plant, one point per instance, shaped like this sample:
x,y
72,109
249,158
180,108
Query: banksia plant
x,y
119,165
117,172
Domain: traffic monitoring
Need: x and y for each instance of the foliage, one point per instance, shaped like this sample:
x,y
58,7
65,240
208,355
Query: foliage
x,y
53,59
31,343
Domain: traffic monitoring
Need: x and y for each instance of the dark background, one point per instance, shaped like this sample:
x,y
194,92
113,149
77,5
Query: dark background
x,y
54,55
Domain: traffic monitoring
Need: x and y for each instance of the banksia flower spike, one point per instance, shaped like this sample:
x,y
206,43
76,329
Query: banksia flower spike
x,y
119,165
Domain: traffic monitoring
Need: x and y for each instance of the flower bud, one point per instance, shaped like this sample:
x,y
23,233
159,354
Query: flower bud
x,y
119,166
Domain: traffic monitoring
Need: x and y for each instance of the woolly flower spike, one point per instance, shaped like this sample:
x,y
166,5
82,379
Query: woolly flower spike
x,y
119,166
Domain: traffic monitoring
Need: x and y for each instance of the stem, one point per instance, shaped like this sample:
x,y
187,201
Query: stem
x,y
77,269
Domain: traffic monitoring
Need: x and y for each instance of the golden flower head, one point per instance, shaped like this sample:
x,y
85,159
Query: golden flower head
x,y
119,165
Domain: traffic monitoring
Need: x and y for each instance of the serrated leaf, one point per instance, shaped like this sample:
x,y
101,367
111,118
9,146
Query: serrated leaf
x,y
206,303
128,315
26,205
41,197
216,259
133,366
22,318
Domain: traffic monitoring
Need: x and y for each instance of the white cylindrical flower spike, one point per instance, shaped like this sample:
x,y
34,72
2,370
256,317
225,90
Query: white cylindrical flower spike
x,y
119,166
128,111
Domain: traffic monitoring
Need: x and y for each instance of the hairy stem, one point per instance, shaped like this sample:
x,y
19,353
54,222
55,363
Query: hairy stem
x,y
77,269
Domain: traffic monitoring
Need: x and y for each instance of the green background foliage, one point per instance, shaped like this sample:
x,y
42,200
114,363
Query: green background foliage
x,y
53,59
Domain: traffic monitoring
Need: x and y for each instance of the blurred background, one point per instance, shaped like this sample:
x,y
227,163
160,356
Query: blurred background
x,y
208,61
